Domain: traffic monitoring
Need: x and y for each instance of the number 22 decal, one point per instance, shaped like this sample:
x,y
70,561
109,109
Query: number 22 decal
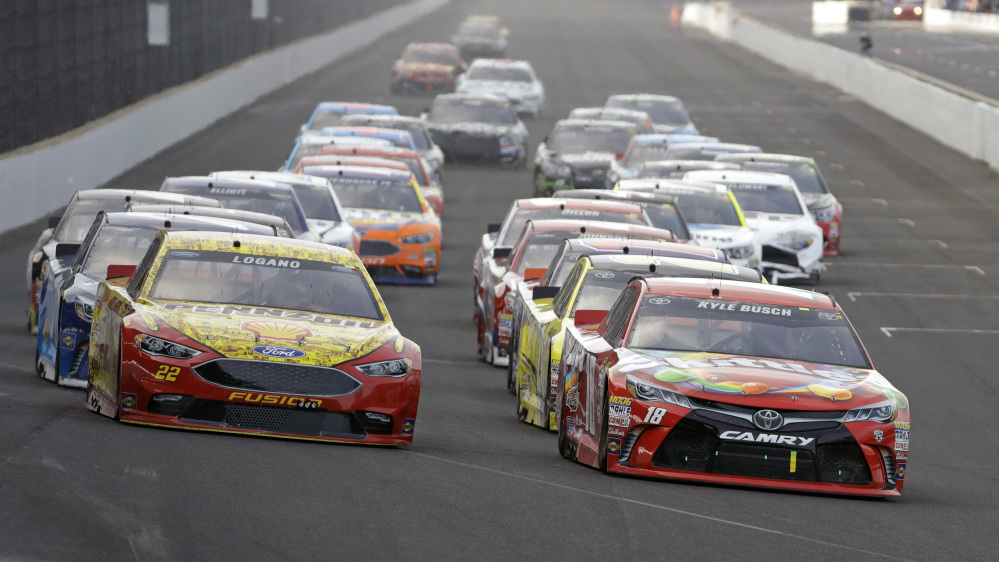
x,y
167,373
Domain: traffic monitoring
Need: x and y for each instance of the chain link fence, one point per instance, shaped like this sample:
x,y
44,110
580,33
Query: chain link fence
x,y
64,63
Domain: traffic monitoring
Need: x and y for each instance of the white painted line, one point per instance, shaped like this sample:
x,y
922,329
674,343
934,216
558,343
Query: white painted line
x,y
973,268
888,331
446,362
873,200
16,368
857,183
907,222
941,243
617,498
854,294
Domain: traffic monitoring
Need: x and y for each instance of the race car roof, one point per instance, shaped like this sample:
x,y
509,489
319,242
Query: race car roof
x,y
588,204
362,131
289,178
235,214
351,160
387,151
209,183
675,267
471,97
258,245
607,113
432,46
355,107
639,197
501,63
583,123
361,172
665,184
317,138
143,196
374,119
657,97
740,176
738,291
640,246
720,146
739,158
689,165
156,221
602,227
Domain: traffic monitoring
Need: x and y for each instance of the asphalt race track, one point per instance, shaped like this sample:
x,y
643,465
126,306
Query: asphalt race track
x,y
917,276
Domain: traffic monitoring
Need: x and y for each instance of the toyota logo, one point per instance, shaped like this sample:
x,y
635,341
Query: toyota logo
x,y
768,420
604,274
658,300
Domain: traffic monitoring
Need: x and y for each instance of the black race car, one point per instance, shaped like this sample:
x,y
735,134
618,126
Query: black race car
x,y
578,154
477,128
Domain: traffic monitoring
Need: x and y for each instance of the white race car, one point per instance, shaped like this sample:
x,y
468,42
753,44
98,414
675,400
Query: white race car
x,y
775,209
514,80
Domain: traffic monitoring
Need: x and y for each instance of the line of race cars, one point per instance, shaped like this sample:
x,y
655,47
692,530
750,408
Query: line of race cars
x,y
634,301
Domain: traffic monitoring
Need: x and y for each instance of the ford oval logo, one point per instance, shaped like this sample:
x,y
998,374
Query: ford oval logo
x,y
276,351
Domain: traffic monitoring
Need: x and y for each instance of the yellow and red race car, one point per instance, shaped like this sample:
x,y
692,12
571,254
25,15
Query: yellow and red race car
x,y
251,334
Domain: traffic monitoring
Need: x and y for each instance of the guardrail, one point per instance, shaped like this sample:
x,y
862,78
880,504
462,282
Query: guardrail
x,y
38,179
962,120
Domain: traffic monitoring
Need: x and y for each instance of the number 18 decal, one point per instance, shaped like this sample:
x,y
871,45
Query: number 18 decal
x,y
654,415
167,373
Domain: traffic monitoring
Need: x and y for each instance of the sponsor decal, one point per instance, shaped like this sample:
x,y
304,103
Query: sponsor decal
x,y
604,275
228,191
408,425
654,416
901,457
901,438
902,425
270,313
276,400
659,300
129,401
505,324
400,344
830,316
570,429
167,373
581,212
614,446
183,254
269,262
768,420
273,330
752,308
900,471
879,435
619,411
68,340
277,351
615,431
572,400
766,438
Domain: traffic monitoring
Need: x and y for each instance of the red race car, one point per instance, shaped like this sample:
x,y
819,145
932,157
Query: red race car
x,y
730,382
251,334
427,67
908,10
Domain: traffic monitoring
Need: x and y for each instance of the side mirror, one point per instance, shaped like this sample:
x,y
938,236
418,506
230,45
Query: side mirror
x,y
121,271
501,252
545,140
589,318
544,293
66,250
534,273
54,221
493,228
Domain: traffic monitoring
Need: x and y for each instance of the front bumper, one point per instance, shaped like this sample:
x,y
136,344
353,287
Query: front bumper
x,y
390,262
783,264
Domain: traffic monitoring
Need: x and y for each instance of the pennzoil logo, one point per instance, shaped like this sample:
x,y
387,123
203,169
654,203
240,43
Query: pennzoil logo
x,y
275,330
408,425
276,400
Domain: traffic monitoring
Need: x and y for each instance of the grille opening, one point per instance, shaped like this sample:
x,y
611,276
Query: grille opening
x,y
375,422
277,377
168,407
276,419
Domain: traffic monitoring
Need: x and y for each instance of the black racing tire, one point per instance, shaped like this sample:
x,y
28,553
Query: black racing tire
x,y
565,447
511,378
39,370
396,88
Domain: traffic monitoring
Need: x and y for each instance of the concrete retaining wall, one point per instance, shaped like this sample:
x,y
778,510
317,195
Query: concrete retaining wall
x,y
39,178
936,18
962,120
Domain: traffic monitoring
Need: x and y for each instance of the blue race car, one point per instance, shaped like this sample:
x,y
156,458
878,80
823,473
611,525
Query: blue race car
x,y
329,113
69,286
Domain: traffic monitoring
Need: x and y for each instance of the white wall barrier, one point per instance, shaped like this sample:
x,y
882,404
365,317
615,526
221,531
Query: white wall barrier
x,y
937,18
37,179
962,120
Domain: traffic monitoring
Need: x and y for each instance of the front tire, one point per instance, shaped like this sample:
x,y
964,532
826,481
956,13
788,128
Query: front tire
x,y
602,457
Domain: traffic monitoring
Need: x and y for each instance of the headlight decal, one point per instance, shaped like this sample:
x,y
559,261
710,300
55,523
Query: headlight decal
x,y
153,345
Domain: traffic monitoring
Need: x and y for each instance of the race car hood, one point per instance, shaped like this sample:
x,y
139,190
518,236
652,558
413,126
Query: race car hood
x,y
721,236
376,219
473,128
759,382
587,158
663,128
247,332
774,227
508,89
426,67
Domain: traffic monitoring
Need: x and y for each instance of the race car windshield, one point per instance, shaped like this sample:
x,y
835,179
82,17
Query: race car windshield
x,y
662,112
500,73
277,203
79,217
691,153
420,139
516,226
590,139
264,281
664,215
707,208
395,196
432,56
601,287
756,198
672,323
642,153
450,112
117,245
326,119
317,202
806,176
